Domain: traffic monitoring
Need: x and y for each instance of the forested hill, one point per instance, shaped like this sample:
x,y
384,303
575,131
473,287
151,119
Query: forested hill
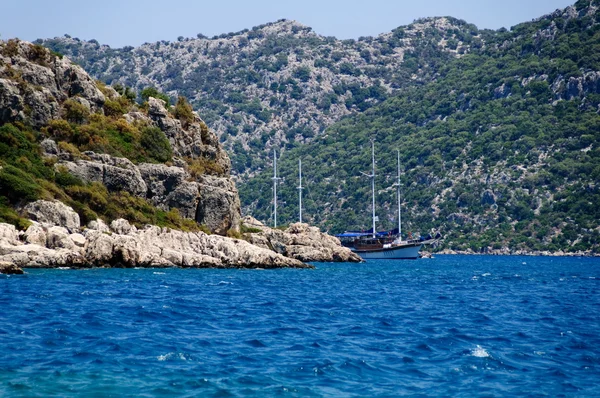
x,y
278,84
499,151
498,130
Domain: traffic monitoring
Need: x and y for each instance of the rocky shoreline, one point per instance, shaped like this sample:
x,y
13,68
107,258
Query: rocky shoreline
x,y
55,239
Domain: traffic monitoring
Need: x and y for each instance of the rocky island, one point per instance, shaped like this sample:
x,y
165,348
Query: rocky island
x,y
89,178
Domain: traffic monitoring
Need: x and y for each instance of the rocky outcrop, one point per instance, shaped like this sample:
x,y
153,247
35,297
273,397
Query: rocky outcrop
x,y
117,174
10,268
219,204
210,200
299,241
34,82
123,245
193,142
53,213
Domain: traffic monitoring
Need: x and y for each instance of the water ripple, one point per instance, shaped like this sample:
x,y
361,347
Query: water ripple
x,y
452,326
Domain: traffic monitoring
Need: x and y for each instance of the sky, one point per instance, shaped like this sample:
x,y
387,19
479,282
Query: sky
x,y
121,23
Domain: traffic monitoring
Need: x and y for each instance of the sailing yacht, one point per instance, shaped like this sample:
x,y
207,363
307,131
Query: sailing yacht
x,y
375,245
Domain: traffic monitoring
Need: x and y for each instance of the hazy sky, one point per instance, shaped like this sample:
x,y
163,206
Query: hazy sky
x,y
133,22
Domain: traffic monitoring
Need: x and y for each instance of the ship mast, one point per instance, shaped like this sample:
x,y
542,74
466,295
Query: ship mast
x,y
275,179
399,201
372,177
373,182
300,188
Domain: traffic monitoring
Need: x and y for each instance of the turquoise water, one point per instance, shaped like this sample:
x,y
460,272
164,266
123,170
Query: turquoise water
x,y
449,326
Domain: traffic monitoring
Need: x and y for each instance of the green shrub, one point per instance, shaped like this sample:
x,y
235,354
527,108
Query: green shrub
x,y
75,112
249,230
10,216
69,148
65,179
94,195
184,112
59,129
153,92
156,145
235,234
113,108
17,185
200,166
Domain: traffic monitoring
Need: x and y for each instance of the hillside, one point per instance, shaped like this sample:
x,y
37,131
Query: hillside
x,y
278,84
66,137
498,130
500,152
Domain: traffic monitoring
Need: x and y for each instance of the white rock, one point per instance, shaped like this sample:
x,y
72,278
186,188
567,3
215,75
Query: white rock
x,y
98,225
78,239
35,234
54,213
122,227
9,233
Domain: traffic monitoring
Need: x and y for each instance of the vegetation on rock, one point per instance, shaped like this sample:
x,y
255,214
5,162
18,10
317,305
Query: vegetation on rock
x,y
501,150
34,149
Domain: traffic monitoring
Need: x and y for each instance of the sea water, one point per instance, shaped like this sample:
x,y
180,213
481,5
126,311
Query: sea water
x,y
448,326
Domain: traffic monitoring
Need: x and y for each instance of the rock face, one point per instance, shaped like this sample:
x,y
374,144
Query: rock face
x,y
53,213
219,203
46,245
300,241
117,174
49,81
193,142
10,268
210,200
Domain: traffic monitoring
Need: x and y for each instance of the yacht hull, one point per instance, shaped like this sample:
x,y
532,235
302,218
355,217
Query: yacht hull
x,y
404,252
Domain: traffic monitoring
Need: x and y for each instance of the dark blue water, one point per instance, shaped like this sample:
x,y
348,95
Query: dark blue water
x,y
449,326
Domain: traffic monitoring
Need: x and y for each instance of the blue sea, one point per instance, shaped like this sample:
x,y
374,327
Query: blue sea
x,y
448,326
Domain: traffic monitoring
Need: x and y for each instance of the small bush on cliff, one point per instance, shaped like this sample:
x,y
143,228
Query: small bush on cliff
x,y
11,48
18,185
153,92
200,166
39,54
69,148
113,108
127,93
235,234
10,216
59,129
65,179
249,230
156,144
184,112
75,112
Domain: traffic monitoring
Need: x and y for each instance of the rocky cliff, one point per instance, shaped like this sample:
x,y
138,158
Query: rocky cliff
x,y
39,89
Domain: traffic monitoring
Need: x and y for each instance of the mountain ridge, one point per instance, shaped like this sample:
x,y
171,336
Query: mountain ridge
x,y
500,126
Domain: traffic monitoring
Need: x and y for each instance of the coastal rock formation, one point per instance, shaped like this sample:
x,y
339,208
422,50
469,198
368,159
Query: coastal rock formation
x,y
210,200
38,87
10,268
123,245
299,241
